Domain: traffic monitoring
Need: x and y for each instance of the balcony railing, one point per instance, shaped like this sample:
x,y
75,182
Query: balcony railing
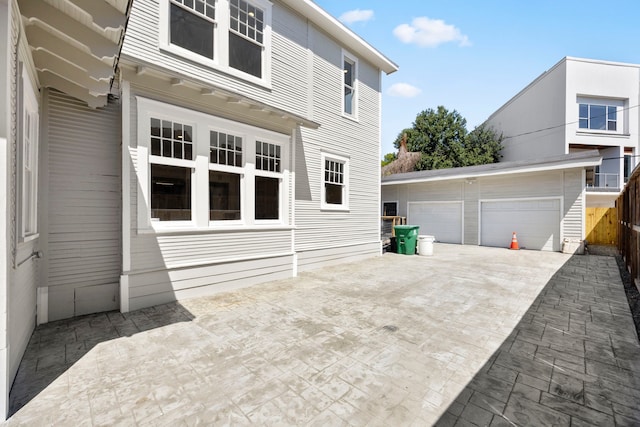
x,y
604,182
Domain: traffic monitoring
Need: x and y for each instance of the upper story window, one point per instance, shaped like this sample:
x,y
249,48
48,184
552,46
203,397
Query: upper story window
x,y
335,182
602,115
350,95
230,35
598,117
193,25
246,35
197,171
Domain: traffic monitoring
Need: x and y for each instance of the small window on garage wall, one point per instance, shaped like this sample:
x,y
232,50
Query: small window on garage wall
x,y
390,208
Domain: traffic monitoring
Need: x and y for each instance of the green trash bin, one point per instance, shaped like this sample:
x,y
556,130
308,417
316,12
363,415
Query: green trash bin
x,y
406,238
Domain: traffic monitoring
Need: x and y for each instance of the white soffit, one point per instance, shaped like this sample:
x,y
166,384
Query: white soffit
x,y
75,44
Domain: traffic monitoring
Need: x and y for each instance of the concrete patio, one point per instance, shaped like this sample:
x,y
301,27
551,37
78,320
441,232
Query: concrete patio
x,y
469,336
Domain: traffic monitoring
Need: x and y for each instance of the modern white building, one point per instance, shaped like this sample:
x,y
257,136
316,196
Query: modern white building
x,y
578,104
214,145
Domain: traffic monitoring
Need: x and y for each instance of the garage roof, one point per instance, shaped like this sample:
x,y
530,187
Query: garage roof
x,y
565,161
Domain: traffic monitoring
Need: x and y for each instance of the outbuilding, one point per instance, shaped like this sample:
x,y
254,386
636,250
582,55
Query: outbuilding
x,y
542,201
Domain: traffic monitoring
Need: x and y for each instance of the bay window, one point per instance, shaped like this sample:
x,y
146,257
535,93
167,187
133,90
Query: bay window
x,y
201,171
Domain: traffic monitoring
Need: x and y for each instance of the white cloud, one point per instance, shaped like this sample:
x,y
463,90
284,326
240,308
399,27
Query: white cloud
x,y
426,32
403,90
356,15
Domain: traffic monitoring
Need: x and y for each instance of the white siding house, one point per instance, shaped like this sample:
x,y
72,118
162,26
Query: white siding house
x,y
541,200
263,183
50,240
577,105
215,145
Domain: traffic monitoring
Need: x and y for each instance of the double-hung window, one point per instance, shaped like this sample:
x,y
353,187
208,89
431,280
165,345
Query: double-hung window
x,y
230,35
335,182
201,171
267,180
29,155
192,26
246,37
349,86
225,176
171,164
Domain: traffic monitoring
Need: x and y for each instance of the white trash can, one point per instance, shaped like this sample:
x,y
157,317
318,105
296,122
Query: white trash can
x,y
425,245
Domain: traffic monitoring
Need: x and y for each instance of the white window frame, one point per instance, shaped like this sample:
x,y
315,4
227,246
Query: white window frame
x,y
28,151
345,189
202,124
347,57
621,116
220,59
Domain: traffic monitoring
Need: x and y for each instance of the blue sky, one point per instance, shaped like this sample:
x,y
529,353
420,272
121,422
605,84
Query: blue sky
x,y
473,56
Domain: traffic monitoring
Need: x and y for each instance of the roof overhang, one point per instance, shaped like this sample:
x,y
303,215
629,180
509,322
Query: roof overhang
x,y
341,33
75,44
202,92
567,161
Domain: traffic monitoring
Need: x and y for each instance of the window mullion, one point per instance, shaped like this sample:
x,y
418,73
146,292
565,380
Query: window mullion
x,y
222,33
248,183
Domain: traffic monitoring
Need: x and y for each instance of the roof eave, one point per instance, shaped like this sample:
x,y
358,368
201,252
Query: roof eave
x,y
541,167
340,32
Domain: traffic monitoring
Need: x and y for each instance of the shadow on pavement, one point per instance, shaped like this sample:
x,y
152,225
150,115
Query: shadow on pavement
x,y
55,347
573,359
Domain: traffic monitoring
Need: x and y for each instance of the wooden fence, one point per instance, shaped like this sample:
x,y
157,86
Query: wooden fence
x,y
601,226
628,206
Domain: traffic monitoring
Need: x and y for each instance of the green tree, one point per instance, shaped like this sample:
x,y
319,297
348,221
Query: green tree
x,y
442,138
388,158
483,146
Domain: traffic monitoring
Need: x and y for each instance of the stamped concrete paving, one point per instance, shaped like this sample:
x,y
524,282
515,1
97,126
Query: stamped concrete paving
x,y
469,336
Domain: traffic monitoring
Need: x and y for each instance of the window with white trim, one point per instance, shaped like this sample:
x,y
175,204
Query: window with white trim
x,y
335,182
28,146
231,35
203,171
599,117
600,114
171,162
349,93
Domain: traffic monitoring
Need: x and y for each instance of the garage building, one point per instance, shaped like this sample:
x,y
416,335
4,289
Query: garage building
x,y
543,201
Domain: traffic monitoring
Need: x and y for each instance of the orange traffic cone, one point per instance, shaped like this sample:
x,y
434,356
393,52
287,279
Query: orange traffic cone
x,y
514,242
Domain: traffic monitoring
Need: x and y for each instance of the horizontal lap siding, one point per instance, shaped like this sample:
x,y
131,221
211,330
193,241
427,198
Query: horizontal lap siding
x,y
164,251
148,289
573,226
329,231
521,185
288,80
317,258
84,194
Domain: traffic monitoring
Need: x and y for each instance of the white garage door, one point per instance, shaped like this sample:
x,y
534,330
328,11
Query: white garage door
x,y
440,219
536,222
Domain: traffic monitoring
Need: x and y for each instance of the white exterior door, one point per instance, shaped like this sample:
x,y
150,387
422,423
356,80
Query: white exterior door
x,y
440,219
535,221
